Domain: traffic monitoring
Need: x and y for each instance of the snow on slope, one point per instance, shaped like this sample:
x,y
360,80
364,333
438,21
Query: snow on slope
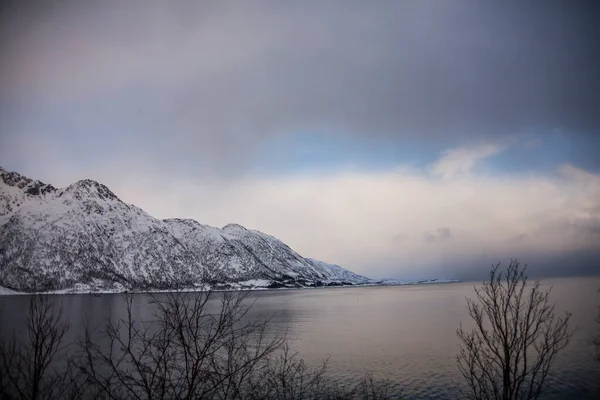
x,y
235,253
85,236
82,234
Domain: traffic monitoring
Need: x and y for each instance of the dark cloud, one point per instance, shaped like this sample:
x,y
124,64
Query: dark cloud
x,y
518,239
539,265
203,85
589,226
439,234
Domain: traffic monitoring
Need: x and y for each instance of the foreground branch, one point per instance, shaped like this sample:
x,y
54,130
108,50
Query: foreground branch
x,y
510,352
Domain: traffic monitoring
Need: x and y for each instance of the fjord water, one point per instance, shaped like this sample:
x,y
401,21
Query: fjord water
x,y
404,333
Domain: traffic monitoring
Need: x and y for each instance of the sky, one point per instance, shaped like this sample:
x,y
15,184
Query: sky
x,y
399,139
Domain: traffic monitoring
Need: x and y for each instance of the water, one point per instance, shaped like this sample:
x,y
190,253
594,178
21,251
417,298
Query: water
x,y
404,333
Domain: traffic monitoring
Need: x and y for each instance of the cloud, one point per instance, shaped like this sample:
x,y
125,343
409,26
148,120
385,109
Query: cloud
x,y
463,160
452,228
204,85
580,175
439,234
518,239
401,237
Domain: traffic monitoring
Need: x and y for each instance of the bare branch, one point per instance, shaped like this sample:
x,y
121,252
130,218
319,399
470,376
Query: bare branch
x,y
33,363
510,352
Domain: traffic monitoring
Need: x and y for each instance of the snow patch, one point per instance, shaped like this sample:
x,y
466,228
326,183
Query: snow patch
x,y
6,291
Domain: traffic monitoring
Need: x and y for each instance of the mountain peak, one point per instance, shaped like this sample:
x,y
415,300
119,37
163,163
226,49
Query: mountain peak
x,y
234,227
89,187
29,186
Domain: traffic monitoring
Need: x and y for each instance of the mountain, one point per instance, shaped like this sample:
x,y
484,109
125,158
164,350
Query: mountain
x,y
84,237
237,254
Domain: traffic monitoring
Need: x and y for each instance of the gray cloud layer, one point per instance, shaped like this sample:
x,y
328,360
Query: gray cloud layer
x,y
203,83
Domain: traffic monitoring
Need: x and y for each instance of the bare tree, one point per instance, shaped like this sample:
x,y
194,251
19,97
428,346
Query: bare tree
x,y
33,364
510,352
286,376
188,351
196,348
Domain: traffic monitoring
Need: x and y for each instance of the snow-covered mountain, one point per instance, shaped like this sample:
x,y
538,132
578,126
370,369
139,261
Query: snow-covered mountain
x,y
85,236
236,254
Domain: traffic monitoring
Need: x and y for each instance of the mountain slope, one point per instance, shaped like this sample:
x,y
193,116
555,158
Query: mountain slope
x,y
53,239
235,253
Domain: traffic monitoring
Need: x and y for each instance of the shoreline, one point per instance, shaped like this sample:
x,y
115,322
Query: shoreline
x,y
73,291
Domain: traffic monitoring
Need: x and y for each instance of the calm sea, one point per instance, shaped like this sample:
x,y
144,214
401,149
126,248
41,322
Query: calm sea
x,y
404,333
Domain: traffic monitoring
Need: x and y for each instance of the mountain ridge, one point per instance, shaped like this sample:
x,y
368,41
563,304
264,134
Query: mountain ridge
x,y
59,238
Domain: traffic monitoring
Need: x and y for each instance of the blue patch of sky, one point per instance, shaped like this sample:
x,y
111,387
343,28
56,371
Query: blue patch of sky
x,y
544,151
309,151
532,152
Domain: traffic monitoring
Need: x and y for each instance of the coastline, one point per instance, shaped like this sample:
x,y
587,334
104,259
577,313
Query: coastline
x,y
88,291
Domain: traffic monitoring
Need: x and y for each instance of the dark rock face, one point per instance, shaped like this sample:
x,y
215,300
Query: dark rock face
x,y
53,239
29,186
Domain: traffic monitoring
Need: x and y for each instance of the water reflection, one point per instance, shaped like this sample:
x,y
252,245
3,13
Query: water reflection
x,y
406,334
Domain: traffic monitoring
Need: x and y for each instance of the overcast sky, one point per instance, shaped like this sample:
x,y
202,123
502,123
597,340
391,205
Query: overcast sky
x,y
398,139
